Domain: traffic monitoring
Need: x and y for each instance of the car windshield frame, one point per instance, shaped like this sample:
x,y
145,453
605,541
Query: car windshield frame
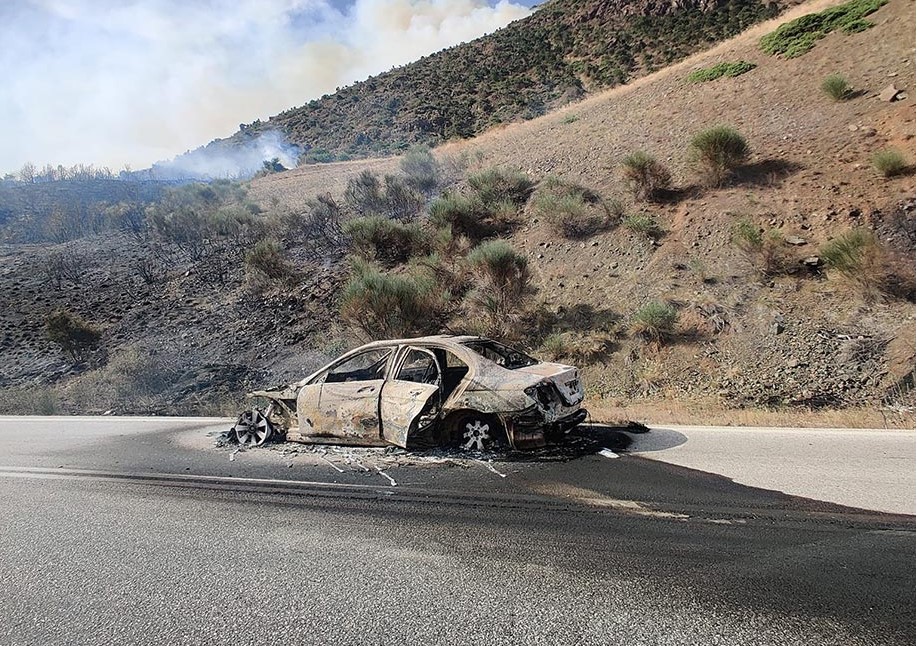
x,y
512,359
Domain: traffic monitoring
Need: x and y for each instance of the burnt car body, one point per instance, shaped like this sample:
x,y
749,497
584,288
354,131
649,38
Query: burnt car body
x,y
467,391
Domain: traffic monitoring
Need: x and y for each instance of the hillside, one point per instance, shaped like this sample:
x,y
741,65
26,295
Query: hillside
x,y
565,49
204,327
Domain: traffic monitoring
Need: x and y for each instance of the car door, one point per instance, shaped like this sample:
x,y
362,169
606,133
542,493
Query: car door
x,y
411,398
344,401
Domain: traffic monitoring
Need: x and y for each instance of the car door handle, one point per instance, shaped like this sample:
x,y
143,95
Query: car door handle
x,y
416,393
366,389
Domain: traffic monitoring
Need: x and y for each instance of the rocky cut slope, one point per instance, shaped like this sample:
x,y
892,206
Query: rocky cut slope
x,y
565,49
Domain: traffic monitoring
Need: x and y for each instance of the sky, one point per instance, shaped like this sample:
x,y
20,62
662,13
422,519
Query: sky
x,y
129,82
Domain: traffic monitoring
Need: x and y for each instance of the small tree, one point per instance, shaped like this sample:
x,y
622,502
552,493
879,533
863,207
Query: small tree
x,y
718,152
648,178
74,335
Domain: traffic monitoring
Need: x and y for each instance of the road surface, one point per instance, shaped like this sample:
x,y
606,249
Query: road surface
x,y
139,531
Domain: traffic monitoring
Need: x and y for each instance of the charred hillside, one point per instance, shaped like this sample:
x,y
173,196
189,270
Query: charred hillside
x,y
565,49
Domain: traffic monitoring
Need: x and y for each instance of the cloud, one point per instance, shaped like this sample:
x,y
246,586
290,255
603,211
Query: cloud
x,y
112,82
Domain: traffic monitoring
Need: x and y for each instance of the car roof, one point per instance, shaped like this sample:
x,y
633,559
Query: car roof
x,y
437,339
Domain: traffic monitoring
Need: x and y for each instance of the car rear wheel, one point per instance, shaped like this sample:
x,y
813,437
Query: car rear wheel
x,y
477,432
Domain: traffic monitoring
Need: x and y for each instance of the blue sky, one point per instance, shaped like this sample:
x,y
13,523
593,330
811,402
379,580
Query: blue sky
x,y
115,82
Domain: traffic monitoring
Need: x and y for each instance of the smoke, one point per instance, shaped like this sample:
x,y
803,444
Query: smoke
x,y
240,161
130,82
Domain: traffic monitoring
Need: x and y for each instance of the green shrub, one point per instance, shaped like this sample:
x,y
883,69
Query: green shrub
x,y
377,237
495,185
471,217
643,223
747,236
647,177
721,69
504,283
573,211
717,152
392,306
889,162
266,256
797,37
836,87
851,254
654,322
421,170
767,250
74,335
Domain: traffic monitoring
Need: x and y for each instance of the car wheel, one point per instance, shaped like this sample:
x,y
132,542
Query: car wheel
x,y
479,432
253,428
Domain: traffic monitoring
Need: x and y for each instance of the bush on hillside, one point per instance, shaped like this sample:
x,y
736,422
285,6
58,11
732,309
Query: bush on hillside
x,y
386,306
654,322
379,238
643,223
133,380
836,87
719,70
421,170
469,216
504,284
496,185
72,333
766,250
648,178
858,257
266,256
718,152
573,211
797,37
889,163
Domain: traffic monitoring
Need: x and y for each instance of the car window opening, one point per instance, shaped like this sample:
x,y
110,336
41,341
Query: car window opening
x,y
500,354
454,370
366,366
419,367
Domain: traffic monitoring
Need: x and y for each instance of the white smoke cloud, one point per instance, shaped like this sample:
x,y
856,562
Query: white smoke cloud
x,y
114,82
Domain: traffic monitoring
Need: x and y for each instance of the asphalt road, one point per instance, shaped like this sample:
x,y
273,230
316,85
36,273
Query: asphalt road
x,y
140,532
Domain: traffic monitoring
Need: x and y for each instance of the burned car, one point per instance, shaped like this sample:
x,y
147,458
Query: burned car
x,y
465,391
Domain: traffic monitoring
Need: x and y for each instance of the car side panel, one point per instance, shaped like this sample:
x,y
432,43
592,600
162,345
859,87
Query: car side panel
x,y
349,410
402,403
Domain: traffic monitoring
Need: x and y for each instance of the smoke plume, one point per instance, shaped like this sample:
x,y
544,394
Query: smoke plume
x,y
114,82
